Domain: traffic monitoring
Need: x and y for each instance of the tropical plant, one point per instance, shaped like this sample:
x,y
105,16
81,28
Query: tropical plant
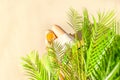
x,y
94,55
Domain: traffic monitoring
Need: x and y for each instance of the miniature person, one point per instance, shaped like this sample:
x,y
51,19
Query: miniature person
x,y
57,34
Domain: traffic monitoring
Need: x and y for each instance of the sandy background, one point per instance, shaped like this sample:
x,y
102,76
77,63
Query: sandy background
x,y
23,24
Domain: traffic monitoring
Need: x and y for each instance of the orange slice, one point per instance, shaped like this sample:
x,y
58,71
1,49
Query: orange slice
x,y
50,36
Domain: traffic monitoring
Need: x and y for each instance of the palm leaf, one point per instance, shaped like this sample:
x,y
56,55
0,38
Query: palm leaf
x,y
74,64
35,68
51,62
113,72
109,67
75,20
86,29
59,50
102,37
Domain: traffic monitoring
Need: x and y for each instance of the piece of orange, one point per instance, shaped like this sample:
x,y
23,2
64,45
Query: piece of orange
x,y
50,36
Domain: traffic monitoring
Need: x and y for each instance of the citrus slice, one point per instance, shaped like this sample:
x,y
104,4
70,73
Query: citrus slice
x,y
50,36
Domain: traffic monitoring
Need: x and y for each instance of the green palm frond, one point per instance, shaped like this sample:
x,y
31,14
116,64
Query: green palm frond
x,y
64,54
113,72
35,68
78,61
59,50
102,37
75,20
106,18
51,62
73,63
109,69
86,29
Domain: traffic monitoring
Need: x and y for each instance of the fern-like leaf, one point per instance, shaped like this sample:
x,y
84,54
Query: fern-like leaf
x,y
109,68
75,20
35,68
102,37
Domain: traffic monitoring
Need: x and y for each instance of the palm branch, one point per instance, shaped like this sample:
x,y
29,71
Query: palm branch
x,y
94,56
35,68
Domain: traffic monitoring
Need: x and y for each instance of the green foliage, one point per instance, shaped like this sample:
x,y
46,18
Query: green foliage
x,y
75,20
86,29
94,56
101,38
109,69
35,68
